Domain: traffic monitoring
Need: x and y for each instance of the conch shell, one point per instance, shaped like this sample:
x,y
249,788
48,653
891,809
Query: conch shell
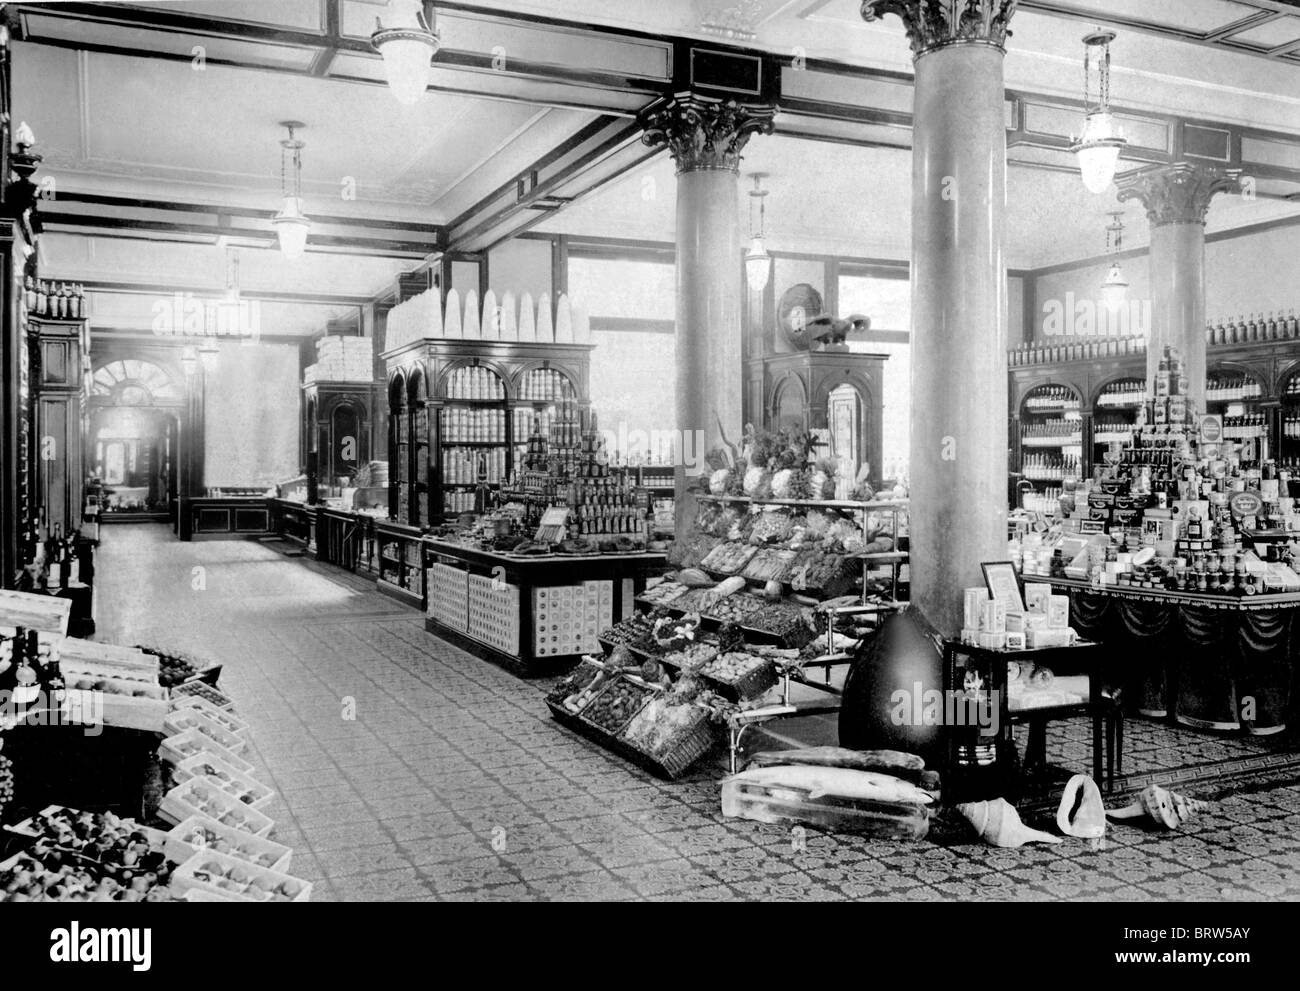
x,y
1165,808
1081,812
998,823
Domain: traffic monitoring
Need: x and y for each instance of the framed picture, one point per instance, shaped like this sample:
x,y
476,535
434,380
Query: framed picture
x,y
1003,583
1093,526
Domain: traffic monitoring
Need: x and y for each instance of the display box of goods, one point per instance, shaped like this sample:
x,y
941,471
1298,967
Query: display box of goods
x,y
633,632
771,527
696,550
192,742
46,875
741,676
734,608
818,573
225,778
663,593
179,720
728,559
199,833
784,621
230,877
769,564
449,596
493,614
221,717
43,613
673,736
199,797
613,708
202,690
129,704
85,856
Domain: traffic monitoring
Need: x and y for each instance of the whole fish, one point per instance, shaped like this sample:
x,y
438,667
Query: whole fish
x,y
840,781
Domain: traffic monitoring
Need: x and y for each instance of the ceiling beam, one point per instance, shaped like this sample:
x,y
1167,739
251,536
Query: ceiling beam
x,y
127,287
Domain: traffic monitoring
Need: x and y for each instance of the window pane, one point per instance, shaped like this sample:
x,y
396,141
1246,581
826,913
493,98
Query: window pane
x,y
632,390
888,302
624,288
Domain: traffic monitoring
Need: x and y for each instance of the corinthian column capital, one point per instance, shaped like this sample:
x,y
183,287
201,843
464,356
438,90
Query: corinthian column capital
x,y
932,24
704,133
1178,193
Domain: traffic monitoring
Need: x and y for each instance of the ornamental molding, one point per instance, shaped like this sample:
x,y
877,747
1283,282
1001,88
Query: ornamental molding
x,y
1178,193
705,133
935,24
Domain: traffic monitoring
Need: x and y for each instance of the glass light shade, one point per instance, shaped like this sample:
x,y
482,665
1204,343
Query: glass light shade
x,y
758,265
189,360
408,54
291,227
1098,151
1114,290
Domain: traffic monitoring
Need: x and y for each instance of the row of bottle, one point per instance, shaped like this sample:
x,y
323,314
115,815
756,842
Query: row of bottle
x,y
1051,428
545,386
1107,347
464,465
458,502
61,301
1233,390
473,426
1045,502
29,669
1129,392
1052,397
1257,327
1050,467
1106,429
1249,427
608,520
475,383
1291,425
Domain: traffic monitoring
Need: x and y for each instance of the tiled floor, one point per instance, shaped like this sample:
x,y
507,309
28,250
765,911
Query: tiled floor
x,y
407,769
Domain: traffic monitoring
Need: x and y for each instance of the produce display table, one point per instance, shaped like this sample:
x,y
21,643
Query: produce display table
x,y
530,614
1212,661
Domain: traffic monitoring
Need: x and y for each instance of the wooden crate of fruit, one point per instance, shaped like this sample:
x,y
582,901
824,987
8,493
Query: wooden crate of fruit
x,y
199,832
740,676
227,876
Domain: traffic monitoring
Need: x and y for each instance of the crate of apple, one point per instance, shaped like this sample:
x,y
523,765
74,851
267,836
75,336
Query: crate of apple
x,y
231,877
47,875
198,833
225,778
198,797
191,743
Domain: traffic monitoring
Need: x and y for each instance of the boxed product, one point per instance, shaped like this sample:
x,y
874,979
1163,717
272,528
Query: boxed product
x,y
1058,611
994,619
1049,637
1015,641
993,641
1015,621
973,611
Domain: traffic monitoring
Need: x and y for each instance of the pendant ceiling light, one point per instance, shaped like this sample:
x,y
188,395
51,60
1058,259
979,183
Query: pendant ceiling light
x,y
408,49
1099,145
758,263
1114,288
291,226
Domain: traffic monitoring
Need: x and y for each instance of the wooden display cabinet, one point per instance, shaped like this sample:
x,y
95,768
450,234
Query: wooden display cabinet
x,y
456,404
840,392
337,423
60,346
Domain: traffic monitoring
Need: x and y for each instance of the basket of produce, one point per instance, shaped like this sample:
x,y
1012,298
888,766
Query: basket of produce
x,y
734,608
693,601
632,632
574,692
693,657
728,559
673,736
201,689
786,621
173,668
816,571
769,564
613,708
741,676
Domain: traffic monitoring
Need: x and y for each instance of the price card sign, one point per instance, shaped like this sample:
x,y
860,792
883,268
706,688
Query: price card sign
x,y
1211,429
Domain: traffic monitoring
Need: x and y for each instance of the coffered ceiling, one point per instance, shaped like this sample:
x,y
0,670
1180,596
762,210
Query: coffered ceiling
x,y
160,119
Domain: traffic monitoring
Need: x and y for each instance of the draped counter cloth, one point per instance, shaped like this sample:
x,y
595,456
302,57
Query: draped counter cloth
x,y
1221,666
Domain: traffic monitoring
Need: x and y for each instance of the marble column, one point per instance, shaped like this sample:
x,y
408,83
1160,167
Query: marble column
x,y
706,136
958,456
1177,198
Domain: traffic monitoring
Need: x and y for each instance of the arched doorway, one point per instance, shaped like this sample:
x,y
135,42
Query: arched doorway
x,y
133,426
